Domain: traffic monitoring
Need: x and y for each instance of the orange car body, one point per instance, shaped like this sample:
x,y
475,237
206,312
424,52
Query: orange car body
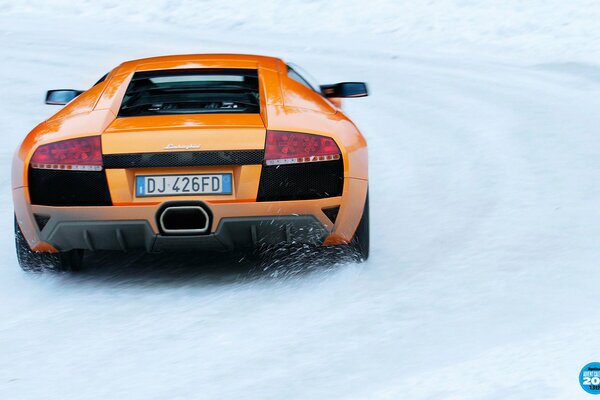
x,y
285,105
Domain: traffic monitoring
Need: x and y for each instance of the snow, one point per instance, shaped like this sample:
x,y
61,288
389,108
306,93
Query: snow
x,y
482,130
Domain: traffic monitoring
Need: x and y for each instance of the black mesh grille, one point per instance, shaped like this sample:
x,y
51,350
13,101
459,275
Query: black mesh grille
x,y
68,188
41,220
301,181
332,213
184,159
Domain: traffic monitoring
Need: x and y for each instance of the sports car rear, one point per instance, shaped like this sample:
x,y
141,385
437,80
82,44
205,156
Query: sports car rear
x,y
189,158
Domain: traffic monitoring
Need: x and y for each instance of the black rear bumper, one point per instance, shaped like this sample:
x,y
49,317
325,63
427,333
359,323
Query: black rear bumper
x,y
232,233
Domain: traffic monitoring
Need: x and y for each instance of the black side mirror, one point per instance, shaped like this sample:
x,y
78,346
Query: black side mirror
x,y
61,96
345,89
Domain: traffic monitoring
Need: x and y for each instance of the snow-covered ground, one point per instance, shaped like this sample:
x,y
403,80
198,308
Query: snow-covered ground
x,y
485,182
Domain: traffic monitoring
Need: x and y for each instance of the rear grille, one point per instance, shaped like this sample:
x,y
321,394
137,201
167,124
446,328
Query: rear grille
x,y
49,187
301,181
332,213
41,220
184,159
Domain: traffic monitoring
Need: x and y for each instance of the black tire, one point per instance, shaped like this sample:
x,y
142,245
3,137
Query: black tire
x,y
32,261
360,242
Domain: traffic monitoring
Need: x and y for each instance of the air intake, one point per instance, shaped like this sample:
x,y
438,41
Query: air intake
x,y
332,213
41,220
49,187
313,180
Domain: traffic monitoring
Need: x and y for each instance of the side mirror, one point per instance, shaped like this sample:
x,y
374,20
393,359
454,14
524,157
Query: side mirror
x,y
61,96
345,89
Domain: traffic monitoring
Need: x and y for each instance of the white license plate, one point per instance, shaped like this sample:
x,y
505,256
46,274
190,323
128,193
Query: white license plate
x,y
181,185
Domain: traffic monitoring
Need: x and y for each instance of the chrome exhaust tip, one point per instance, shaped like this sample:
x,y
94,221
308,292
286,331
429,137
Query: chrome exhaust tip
x,y
184,220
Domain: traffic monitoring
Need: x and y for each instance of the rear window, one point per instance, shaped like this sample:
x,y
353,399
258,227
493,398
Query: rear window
x,y
198,91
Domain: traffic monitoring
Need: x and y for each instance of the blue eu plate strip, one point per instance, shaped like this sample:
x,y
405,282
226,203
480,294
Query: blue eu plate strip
x,y
140,184
226,180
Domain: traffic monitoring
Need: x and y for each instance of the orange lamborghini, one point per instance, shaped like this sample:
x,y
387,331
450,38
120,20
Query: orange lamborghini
x,y
209,152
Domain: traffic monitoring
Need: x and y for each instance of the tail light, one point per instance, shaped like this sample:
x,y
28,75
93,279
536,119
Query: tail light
x,y
294,148
81,154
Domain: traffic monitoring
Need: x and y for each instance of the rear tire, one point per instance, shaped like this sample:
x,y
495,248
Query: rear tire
x,y
33,261
360,241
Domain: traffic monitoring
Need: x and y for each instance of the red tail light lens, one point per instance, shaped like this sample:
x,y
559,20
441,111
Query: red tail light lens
x,y
292,148
81,154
